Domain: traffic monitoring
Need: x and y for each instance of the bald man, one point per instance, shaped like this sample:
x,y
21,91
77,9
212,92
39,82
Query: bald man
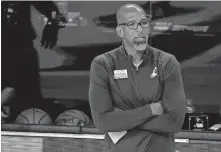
x,y
136,91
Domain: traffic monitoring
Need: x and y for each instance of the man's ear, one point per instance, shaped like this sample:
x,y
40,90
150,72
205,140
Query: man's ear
x,y
119,31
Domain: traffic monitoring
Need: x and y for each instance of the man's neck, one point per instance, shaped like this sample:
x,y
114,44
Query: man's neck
x,y
136,55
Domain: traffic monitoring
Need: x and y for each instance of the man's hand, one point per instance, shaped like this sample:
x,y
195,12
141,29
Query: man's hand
x,y
157,108
5,112
50,32
116,109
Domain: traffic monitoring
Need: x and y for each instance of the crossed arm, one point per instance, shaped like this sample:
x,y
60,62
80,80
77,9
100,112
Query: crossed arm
x,y
107,119
173,101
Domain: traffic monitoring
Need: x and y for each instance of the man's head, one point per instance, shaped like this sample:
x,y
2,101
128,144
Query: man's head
x,y
134,35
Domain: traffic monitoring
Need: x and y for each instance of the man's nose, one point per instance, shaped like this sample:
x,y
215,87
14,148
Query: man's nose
x,y
139,28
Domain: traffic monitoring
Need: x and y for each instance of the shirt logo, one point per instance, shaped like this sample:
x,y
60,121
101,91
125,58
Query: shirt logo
x,y
154,73
120,74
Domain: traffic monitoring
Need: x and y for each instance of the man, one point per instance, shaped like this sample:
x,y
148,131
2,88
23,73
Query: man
x,y
137,89
19,58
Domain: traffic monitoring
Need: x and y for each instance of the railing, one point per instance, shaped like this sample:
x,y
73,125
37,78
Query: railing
x,y
6,128
46,138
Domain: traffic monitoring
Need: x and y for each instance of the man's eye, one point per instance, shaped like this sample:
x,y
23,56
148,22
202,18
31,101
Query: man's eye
x,y
132,24
144,22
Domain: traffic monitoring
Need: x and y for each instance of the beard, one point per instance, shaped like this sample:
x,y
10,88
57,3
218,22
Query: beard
x,y
140,43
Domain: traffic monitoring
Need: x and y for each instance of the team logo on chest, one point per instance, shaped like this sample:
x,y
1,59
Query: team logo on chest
x,y
154,73
120,74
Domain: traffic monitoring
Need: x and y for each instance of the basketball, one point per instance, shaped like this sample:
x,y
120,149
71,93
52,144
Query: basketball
x,y
33,116
73,118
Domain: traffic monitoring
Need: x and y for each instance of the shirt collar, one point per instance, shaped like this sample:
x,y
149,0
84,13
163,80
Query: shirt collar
x,y
146,55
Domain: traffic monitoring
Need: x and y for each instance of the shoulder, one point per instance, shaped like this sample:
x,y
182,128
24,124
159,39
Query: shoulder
x,y
106,59
163,58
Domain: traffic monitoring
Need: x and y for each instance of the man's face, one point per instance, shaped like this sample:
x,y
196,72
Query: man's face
x,y
136,37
